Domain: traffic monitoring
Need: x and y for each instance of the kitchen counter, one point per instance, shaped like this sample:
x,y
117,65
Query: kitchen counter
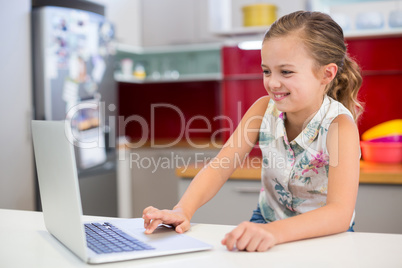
x,y
25,242
370,173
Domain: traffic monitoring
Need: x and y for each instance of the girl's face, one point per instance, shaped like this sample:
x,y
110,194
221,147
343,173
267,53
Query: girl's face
x,y
289,78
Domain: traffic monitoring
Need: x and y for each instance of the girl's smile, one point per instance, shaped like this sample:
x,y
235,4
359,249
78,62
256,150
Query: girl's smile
x,y
279,96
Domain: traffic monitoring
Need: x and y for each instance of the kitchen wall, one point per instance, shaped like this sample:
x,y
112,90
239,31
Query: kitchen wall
x,y
16,159
126,17
166,22
158,22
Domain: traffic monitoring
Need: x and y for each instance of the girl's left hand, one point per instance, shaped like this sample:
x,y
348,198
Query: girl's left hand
x,y
249,236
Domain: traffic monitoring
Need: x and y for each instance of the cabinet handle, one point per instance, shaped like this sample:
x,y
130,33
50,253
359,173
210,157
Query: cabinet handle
x,y
249,189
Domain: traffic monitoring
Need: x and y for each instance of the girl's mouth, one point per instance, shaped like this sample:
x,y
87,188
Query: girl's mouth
x,y
278,97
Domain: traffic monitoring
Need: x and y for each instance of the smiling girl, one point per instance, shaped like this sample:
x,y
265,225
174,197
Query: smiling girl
x,y
308,120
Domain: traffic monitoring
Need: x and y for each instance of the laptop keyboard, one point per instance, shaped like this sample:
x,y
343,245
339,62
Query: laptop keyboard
x,y
106,238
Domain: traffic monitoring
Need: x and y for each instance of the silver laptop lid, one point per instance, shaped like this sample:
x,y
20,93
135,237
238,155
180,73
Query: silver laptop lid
x,y
58,184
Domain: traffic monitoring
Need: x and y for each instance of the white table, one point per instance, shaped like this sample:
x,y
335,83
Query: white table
x,y
24,242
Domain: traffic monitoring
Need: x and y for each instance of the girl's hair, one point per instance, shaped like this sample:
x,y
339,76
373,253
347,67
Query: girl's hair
x,y
324,40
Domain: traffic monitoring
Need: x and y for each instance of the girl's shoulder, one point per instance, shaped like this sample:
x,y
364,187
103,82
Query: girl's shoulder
x,y
333,109
260,106
343,124
264,100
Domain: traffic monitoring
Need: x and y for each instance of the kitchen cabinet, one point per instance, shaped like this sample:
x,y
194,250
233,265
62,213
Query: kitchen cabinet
x,y
378,208
233,204
161,111
147,176
242,82
175,22
146,23
381,62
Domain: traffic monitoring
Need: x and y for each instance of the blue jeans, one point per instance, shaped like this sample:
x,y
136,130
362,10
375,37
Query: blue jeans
x,y
258,218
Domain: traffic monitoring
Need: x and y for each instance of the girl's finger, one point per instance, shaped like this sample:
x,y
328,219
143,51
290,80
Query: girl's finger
x,y
232,237
146,211
152,226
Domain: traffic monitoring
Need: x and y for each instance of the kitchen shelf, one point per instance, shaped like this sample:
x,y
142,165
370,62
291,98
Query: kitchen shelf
x,y
119,77
373,33
260,31
124,48
252,30
175,63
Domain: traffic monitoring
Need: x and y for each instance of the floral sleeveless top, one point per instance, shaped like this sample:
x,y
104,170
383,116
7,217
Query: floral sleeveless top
x,y
295,173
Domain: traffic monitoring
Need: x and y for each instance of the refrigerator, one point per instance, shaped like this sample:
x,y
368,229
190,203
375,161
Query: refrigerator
x,y
73,66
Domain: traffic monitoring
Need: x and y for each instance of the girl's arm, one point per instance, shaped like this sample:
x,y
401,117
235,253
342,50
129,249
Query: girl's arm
x,y
210,179
334,217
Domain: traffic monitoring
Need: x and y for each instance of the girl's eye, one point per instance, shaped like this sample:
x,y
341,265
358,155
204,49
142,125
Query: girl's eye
x,y
266,72
286,72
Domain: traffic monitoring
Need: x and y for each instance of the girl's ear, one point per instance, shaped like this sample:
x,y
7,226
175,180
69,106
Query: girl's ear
x,y
330,71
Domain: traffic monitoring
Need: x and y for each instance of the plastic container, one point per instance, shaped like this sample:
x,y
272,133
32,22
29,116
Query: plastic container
x,y
395,19
369,20
127,67
259,15
389,128
382,152
393,138
343,20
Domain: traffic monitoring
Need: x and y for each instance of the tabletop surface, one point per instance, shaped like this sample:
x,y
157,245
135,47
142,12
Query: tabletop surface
x,y
24,242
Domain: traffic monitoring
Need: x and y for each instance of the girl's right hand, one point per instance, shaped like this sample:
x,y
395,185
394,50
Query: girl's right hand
x,y
153,217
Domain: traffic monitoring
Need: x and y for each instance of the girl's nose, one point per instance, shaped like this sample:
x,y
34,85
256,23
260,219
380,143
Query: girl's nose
x,y
271,82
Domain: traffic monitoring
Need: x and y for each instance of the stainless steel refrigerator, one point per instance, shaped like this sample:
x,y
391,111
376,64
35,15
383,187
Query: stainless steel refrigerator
x,y
73,65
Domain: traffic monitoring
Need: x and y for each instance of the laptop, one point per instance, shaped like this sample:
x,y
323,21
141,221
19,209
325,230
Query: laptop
x,y
62,210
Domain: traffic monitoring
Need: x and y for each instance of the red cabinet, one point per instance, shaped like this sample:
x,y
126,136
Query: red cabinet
x,y
169,111
381,92
375,54
242,83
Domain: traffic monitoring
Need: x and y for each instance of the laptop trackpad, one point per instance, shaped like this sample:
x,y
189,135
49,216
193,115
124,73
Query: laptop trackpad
x,y
164,237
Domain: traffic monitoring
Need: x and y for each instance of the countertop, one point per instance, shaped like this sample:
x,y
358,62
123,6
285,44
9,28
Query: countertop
x,y
370,173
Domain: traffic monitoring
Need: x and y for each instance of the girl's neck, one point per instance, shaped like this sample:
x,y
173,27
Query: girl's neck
x,y
293,127
295,123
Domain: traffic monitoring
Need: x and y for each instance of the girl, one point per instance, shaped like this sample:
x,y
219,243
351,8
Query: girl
x,y
307,123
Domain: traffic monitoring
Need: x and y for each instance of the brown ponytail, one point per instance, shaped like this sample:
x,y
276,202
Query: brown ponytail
x,y
346,85
324,40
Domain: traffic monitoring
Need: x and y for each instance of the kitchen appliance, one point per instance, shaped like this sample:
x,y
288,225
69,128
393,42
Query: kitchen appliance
x,y
73,66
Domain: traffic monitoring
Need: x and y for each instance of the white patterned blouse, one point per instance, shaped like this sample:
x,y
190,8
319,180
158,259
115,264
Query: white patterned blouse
x,y
295,173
